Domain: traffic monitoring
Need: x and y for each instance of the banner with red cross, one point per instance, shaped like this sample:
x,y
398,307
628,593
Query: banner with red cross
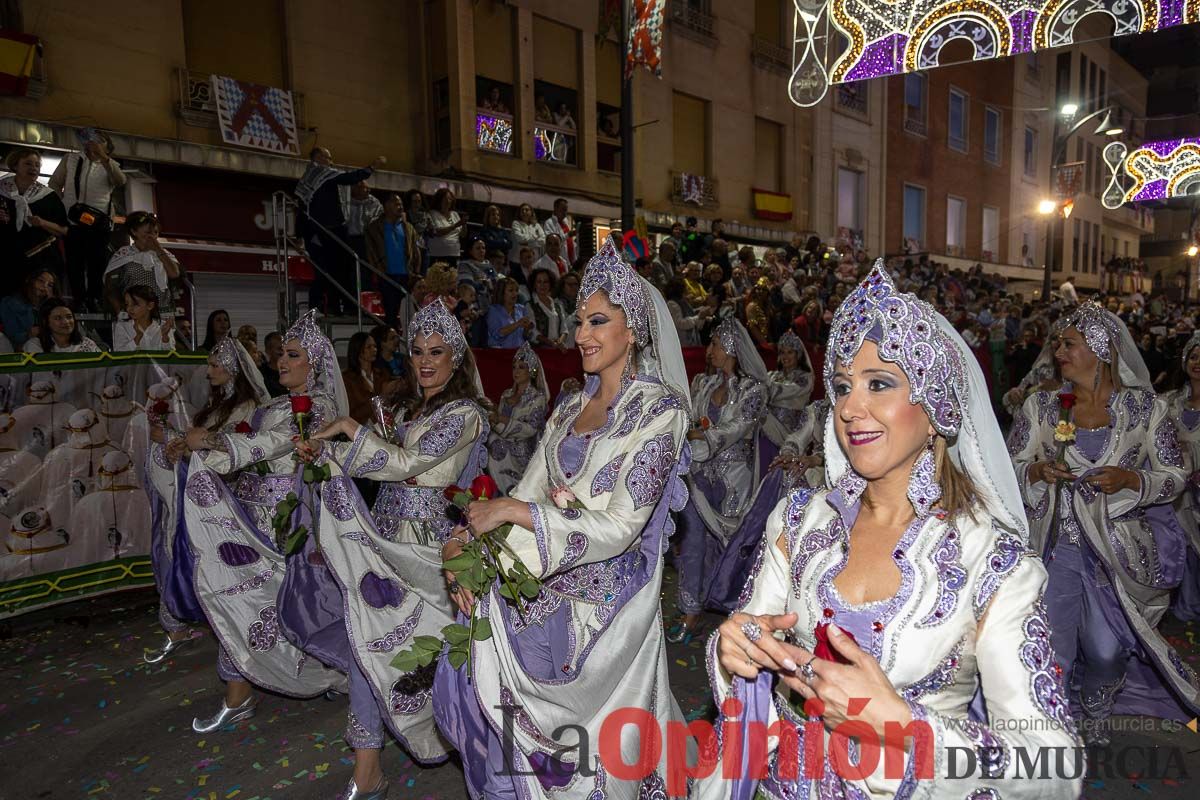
x,y
249,115
645,37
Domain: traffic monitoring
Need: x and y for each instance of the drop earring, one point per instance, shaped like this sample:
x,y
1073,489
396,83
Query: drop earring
x,y
924,492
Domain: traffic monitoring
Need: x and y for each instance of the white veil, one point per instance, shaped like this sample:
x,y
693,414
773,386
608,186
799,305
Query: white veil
x,y
663,356
1103,331
253,374
978,449
323,372
749,361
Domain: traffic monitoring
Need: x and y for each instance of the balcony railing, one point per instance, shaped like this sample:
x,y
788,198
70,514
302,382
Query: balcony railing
x,y
914,125
196,105
770,55
694,190
852,97
694,20
555,145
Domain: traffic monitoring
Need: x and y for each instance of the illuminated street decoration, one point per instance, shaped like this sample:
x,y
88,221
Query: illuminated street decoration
x,y
1154,171
494,133
890,37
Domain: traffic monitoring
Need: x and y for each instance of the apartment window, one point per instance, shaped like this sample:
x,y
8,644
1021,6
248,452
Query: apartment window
x,y
690,135
956,130
991,234
1091,88
851,193
1031,148
1062,80
1080,93
914,215
1086,257
768,154
991,135
916,89
1075,245
956,225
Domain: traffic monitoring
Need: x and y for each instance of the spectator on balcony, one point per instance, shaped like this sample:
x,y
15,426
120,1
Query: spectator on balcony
x,y
58,332
216,329
19,311
144,263
541,110
563,117
32,219
446,228
662,271
86,181
476,270
553,259
141,326
608,127
549,313
561,223
364,209
526,232
322,222
509,324
494,102
392,249
492,233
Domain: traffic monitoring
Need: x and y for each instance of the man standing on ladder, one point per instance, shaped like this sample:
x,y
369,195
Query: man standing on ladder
x,y
324,195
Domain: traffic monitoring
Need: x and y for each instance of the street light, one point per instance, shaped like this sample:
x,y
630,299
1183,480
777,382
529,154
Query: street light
x,y
1047,207
1192,251
1105,128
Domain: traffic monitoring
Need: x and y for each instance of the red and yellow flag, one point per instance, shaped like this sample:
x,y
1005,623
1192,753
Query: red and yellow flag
x,y
772,205
16,61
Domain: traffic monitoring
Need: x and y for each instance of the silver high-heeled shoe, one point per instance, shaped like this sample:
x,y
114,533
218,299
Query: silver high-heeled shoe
x,y
168,646
226,716
352,792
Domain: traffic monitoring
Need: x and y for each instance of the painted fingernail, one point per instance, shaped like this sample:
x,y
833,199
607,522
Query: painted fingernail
x,y
789,665
834,630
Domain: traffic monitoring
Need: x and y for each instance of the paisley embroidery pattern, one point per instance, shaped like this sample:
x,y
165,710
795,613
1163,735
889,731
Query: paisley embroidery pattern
x,y
1166,442
1018,437
336,495
1001,561
632,413
606,478
438,440
263,634
951,577
1045,682
202,489
377,462
651,468
399,634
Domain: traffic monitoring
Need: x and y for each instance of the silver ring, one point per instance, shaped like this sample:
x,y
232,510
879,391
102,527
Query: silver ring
x,y
454,586
807,672
752,631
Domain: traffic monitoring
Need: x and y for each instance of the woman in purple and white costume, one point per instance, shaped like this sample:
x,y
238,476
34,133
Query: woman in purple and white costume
x,y
1183,408
240,570
592,642
788,389
800,464
519,420
728,407
237,391
387,563
1111,543
917,549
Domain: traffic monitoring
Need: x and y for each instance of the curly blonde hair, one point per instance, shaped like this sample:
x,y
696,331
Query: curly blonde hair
x,y
441,279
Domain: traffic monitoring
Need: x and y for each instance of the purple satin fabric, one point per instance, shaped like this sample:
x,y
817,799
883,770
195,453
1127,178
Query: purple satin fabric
x,y
730,572
173,573
1186,603
311,613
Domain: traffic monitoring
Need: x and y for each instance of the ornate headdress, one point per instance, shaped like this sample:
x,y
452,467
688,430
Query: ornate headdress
x,y
436,318
1191,344
791,341
610,273
322,361
726,335
225,354
907,333
1100,328
528,359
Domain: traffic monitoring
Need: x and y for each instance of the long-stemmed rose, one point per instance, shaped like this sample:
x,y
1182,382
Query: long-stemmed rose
x,y
291,540
1064,434
477,567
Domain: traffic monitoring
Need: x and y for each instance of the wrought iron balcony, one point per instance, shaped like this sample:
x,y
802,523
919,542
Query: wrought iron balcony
x,y
694,20
770,55
852,97
694,190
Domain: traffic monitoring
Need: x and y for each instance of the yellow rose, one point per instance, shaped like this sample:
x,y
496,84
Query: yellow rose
x,y
1064,432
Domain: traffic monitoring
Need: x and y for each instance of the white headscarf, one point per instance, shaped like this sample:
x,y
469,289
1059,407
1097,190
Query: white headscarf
x,y
736,341
234,358
8,187
945,378
323,373
1108,338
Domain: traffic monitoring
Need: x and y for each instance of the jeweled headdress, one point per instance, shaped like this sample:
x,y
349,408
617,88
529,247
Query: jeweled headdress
x,y
726,335
907,333
436,318
322,361
1191,344
527,359
610,273
791,341
1099,328
225,354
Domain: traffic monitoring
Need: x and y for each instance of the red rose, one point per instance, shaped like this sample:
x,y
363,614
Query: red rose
x,y
484,487
243,427
301,404
451,492
160,407
705,423
1067,401
824,648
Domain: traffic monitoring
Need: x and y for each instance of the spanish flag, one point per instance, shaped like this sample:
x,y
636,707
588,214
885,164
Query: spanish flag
x,y
772,205
16,61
